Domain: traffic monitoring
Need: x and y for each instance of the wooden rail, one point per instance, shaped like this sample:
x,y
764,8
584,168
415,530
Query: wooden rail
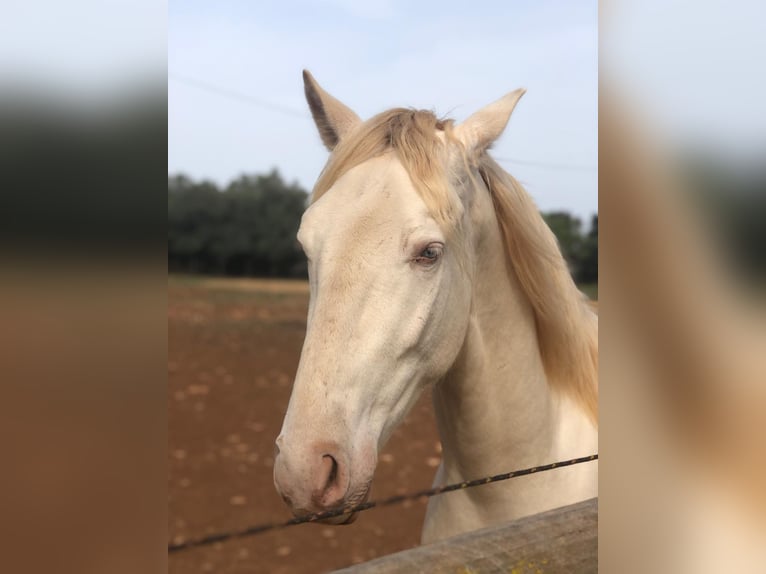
x,y
563,540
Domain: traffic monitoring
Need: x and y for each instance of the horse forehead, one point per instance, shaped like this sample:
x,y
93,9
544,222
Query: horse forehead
x,y
369,199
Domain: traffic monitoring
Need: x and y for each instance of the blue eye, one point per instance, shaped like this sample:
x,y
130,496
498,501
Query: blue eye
x,y
430,254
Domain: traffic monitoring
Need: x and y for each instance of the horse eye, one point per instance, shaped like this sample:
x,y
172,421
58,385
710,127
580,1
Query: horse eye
x,y
430,254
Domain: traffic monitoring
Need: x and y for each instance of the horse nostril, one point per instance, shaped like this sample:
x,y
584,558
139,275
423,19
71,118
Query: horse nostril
x,y
332,476
329,490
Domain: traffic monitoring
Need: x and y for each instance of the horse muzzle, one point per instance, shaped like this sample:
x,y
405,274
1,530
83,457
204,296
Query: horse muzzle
x,y
319,477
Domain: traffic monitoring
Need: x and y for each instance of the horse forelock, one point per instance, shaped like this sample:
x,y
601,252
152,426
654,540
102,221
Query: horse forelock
x,y
418,138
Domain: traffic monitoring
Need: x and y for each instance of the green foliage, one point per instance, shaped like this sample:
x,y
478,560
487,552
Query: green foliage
x,y
580,251
587,264
247,229
567,230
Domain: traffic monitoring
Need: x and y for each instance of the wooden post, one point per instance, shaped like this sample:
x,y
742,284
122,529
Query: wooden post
x,y
563,540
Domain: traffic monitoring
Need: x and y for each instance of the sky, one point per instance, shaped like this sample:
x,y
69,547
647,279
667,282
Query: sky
x,y
235,92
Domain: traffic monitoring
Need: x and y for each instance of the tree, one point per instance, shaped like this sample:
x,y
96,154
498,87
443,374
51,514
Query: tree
x,y
587,271
580,251
195,215
566,228
247,229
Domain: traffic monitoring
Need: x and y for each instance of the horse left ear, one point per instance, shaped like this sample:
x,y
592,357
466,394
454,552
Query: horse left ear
x,y
480,130
333,118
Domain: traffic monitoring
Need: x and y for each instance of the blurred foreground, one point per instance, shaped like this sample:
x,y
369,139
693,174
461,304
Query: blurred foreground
x,y
682,370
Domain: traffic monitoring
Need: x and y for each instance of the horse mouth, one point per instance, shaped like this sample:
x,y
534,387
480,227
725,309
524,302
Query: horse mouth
x,y
349,517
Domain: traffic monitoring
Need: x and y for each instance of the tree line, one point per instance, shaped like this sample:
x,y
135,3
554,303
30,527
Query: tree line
x,y
248,229
245,229
578,245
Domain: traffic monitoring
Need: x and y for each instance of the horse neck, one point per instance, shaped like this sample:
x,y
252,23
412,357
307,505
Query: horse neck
x,y
495,406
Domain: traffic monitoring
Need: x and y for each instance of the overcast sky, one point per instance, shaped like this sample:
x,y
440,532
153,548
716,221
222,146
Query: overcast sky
x,y
235,93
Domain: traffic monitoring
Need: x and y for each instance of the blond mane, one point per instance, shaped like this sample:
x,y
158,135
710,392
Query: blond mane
x,y
567,330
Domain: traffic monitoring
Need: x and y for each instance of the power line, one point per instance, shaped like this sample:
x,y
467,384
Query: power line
x,y
258,102
545,165
245,98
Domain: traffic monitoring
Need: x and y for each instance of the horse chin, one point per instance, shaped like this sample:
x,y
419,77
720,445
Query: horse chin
x,y
356,500
340,520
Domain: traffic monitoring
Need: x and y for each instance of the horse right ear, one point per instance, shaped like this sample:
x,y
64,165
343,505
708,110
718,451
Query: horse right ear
x,y
333,119
480,130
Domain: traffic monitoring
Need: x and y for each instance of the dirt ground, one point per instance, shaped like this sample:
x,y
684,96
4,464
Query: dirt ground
x,y
233,348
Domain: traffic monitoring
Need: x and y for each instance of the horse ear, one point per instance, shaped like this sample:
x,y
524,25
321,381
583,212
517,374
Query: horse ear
x,y
333,119
480,130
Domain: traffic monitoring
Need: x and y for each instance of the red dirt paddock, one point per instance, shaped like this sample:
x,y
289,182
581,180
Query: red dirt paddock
x,y
233,348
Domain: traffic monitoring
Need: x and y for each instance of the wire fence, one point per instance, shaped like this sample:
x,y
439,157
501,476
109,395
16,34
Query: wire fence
x,y
318,516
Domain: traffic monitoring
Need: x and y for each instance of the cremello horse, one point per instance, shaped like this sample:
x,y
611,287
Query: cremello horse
x,y
431,268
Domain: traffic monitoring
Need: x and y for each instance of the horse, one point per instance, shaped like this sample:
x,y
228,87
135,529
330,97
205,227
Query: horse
x,y
430,267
